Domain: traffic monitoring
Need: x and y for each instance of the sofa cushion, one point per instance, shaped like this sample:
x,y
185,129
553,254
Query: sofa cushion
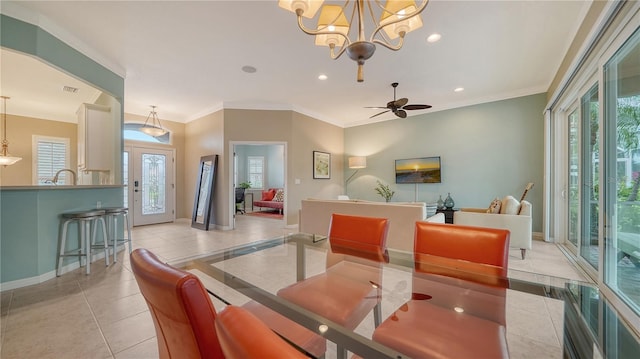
x,y
279,196
268,195
495,206
510,205
525,208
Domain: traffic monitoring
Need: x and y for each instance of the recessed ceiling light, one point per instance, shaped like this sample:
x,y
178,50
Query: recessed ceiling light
x,y
434,37
459,89
249,69
322,77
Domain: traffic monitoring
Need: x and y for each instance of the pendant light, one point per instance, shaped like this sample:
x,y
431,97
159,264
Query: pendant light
x,y
154,129
5,158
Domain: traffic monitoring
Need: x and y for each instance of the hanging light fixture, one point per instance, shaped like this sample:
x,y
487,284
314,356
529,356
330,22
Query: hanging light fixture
x,y
5,158
154,129
396,19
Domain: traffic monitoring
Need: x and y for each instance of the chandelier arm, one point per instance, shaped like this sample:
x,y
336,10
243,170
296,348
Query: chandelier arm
x,y
334,56
321,32
419,10
389,46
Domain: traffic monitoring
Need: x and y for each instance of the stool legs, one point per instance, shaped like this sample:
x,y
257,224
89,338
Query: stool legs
x,y
87,231
113,226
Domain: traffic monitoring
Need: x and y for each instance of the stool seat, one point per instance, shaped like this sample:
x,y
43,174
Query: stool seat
x,y
84,214
115,210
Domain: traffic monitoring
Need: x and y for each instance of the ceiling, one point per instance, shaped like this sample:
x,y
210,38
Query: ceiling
x,y
187,57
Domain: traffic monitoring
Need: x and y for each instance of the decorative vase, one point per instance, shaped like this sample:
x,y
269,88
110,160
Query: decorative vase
x,y
448,202
440,203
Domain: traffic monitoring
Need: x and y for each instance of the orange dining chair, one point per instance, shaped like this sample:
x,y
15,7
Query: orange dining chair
x,y
457,305
349,289
186,322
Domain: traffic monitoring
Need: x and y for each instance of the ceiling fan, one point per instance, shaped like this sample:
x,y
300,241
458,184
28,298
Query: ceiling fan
x,y
399,106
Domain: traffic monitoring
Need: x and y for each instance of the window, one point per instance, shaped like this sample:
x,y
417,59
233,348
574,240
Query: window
x,y
256,171
622,172
50,154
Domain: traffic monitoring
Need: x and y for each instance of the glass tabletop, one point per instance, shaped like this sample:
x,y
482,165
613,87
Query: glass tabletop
x,y
293,283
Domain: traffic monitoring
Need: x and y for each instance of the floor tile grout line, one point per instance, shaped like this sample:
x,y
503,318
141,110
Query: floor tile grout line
x,y
95,319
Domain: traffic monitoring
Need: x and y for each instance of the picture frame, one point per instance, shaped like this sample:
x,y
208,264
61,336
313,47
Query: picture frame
x,y
321,165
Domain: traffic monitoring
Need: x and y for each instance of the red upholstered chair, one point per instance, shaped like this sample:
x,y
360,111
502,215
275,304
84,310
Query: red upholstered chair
x,y
186,322
344,293
457,306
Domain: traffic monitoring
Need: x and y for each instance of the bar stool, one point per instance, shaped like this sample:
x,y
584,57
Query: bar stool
x,y
87,228
112,214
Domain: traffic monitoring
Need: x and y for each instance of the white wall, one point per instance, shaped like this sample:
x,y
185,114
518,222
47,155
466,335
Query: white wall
x,y
487,151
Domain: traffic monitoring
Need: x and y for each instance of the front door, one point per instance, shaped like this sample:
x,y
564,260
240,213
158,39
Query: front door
x,y
150,182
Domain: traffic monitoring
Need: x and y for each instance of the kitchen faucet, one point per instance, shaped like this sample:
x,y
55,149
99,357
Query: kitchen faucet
x,y
73,176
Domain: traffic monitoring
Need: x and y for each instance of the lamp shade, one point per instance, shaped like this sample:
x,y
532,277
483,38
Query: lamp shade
x,y
7,160
399,9
308,7
153,131
358,162
332,19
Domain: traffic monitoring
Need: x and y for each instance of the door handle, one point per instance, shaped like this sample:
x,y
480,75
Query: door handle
x,y
135,185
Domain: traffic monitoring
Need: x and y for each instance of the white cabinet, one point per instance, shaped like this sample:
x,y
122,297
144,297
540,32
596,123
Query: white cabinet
x,y
95,138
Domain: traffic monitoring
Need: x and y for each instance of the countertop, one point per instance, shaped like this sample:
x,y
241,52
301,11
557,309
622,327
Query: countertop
x,y
46,188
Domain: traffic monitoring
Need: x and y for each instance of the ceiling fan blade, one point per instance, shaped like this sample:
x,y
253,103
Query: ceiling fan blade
x,y
416,107
378,114
400,102
401,113
381,108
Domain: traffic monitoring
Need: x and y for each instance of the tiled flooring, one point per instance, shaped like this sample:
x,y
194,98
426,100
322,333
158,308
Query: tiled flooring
x,y
103,315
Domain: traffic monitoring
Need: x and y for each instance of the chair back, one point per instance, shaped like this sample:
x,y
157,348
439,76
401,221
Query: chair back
x,y
239,195
484,251
182,312
359,236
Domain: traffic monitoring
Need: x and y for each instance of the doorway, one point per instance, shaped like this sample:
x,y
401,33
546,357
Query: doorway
x,y
149,178
263,166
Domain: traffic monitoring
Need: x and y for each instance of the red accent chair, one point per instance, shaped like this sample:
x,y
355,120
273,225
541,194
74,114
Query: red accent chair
x,y
457,307
186,322
349,288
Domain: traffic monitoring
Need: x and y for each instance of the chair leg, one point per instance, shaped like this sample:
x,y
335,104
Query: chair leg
x,y
63,241
523,252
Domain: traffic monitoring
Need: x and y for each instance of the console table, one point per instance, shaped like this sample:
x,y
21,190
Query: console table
x,y
448,214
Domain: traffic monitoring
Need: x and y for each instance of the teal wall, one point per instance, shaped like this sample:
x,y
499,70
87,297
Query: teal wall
x,y
488,150
29,218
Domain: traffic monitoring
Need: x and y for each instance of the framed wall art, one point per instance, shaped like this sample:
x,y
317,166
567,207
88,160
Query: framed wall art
x,y
321,165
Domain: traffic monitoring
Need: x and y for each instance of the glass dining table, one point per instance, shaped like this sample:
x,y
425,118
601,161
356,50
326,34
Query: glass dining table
x,y
369,306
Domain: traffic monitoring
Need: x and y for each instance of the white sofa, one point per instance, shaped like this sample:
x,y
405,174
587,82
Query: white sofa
x,y
315,215
518,225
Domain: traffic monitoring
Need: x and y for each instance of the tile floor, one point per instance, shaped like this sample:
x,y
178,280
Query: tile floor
x,y
103,315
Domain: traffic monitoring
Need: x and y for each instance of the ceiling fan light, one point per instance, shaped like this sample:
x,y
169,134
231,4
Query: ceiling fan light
x,y
308,7
397,10
332,19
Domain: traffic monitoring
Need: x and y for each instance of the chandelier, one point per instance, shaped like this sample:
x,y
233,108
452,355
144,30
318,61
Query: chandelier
x,y
5,158
154,129
394,20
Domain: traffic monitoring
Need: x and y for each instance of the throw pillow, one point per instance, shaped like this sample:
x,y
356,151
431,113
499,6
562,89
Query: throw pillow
x,y
510,205
495,205
268,195
279,197
525,208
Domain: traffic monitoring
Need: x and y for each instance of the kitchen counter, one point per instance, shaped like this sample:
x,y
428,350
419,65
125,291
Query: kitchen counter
x,y
15,188
30,223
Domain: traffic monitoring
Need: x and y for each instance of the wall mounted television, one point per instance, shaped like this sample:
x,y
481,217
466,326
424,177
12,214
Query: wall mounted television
x,y
418,170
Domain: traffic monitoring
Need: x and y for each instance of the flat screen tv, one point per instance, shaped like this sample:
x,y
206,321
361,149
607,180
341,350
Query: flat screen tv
x,y
418,170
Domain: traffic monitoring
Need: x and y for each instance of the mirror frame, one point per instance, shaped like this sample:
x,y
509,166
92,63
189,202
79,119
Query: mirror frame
x,y
208,200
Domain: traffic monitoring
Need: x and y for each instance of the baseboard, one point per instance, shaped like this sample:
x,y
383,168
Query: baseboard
x,y
537,236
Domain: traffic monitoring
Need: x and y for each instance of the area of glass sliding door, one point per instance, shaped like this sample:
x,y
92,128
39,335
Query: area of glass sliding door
x,y
574,179
589,178
622,158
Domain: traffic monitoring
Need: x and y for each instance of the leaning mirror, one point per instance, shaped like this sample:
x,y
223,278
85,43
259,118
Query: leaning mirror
x,y
203,202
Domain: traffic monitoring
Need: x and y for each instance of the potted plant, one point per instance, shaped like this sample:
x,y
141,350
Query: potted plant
x,y
245,185
384,191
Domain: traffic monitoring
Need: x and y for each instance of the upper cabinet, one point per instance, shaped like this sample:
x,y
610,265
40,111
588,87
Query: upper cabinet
x,y
95,143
